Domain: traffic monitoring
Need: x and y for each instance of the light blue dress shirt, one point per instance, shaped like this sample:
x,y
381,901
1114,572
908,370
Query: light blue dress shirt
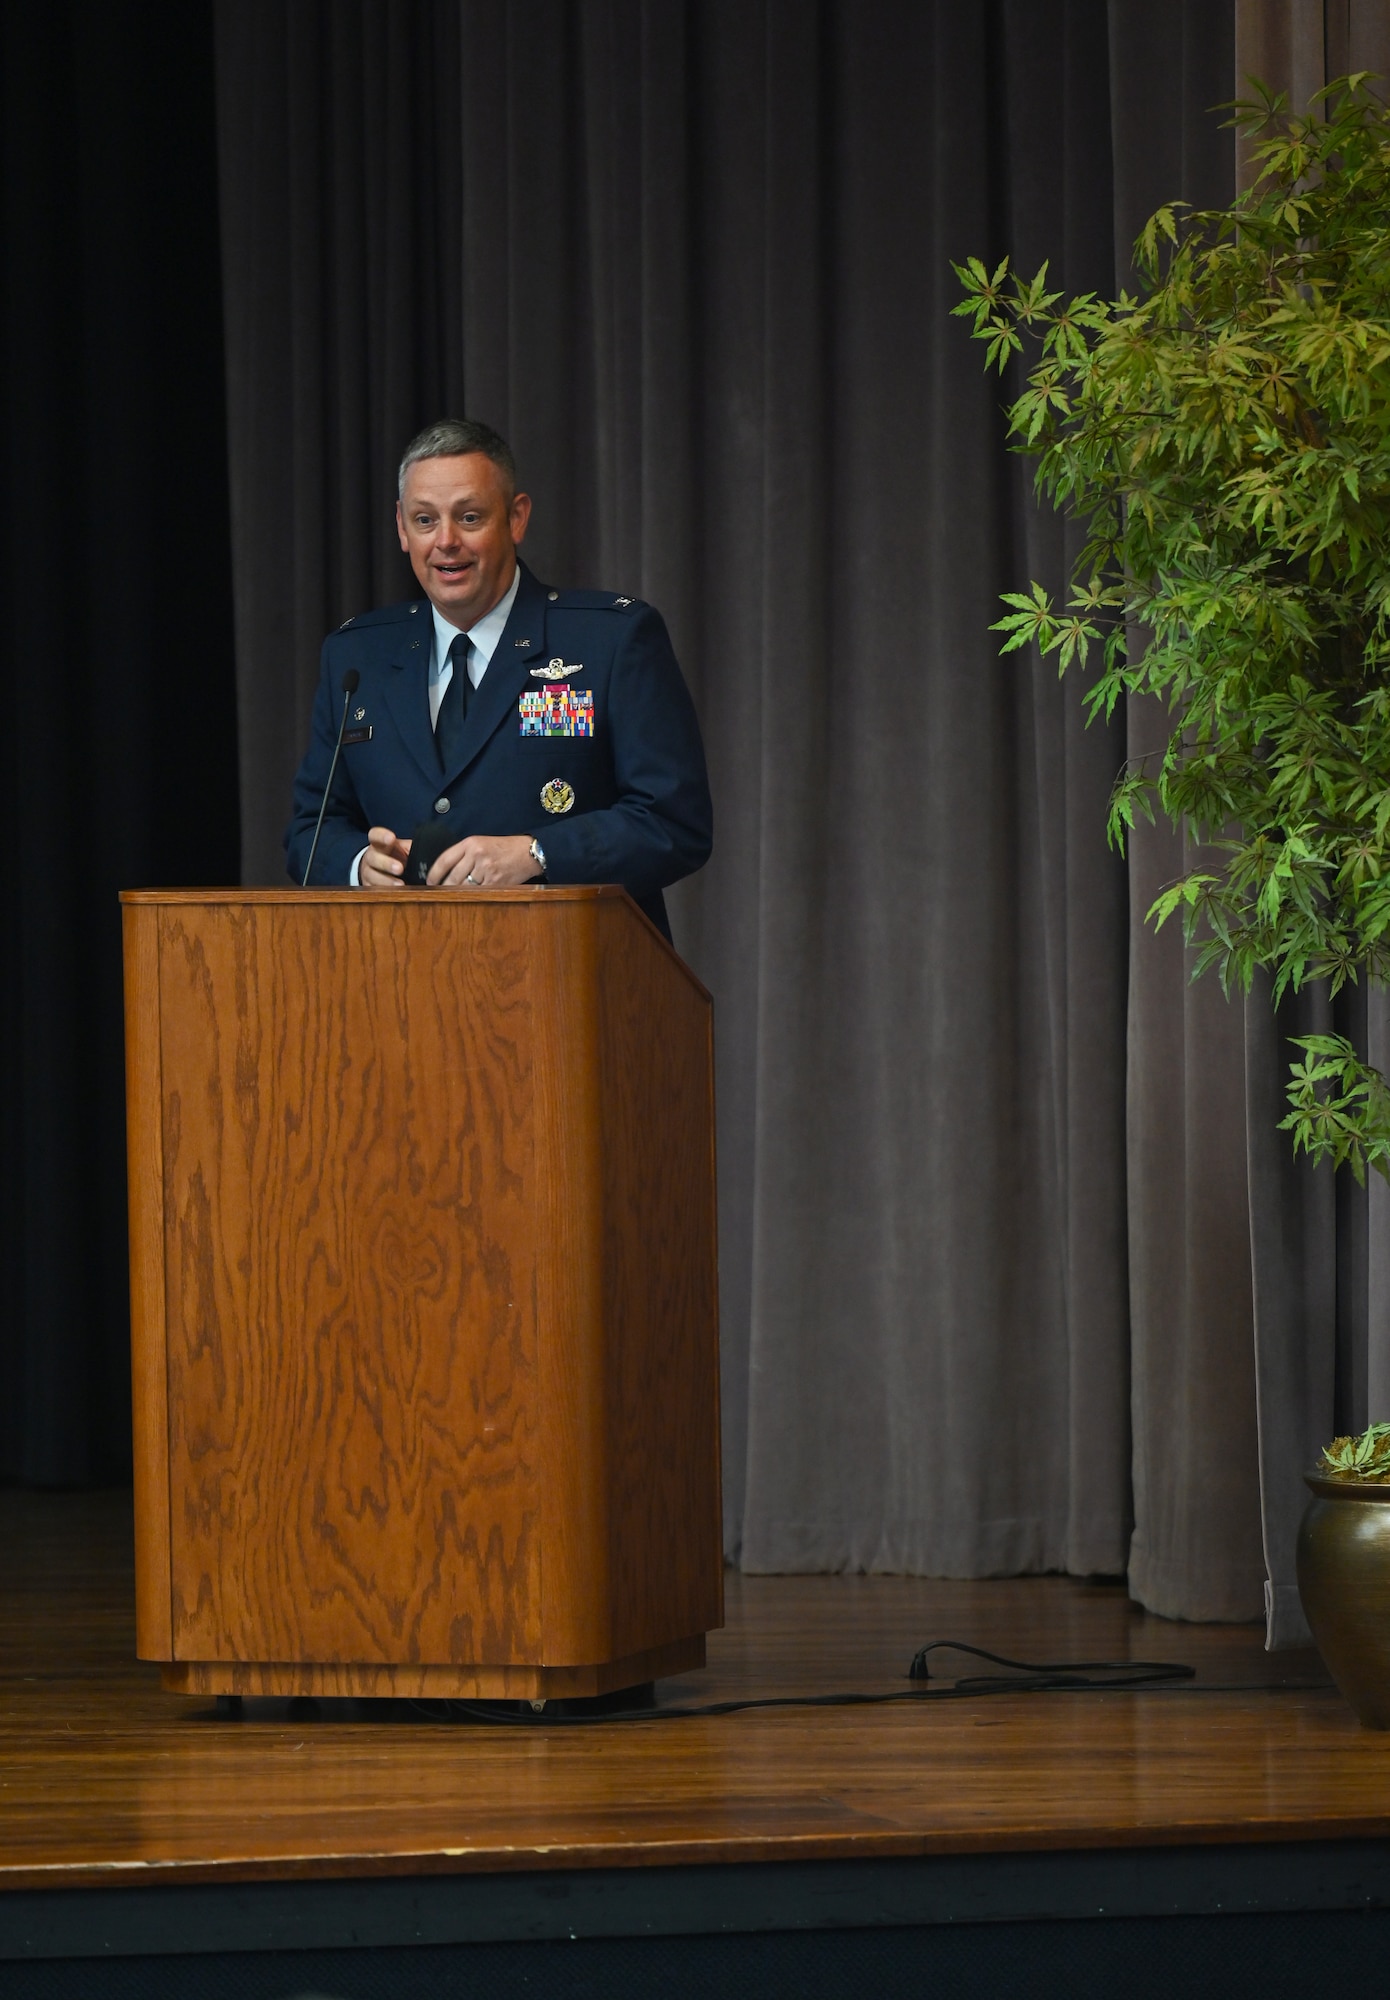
x,y
483,637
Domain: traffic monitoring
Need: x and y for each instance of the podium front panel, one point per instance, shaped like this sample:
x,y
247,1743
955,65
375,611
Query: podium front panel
x,y
350,1297
423,1285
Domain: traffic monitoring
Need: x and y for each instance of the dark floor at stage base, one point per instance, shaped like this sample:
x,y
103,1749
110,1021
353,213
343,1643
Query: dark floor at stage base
x,y
1172,1958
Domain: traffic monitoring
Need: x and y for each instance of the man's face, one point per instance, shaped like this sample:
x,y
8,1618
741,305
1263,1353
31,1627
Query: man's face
x,y
461,530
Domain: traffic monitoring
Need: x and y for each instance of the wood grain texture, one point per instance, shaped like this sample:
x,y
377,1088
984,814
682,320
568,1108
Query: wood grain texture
x,y
628,1284
196,1677
438,1282
661,1288
108,1780
148,1346
352,1367
569,1283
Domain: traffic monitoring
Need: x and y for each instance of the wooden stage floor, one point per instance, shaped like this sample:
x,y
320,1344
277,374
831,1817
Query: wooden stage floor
x,y
107,1779
132,1821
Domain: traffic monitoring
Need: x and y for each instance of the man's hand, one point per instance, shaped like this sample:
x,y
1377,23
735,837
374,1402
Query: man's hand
x,y
383,864
485,861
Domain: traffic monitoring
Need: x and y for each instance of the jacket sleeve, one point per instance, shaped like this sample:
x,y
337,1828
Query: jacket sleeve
x,y
660,827
344,823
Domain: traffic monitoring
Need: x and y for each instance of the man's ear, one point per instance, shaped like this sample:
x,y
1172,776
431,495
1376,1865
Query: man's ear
x,y
400,529
519,513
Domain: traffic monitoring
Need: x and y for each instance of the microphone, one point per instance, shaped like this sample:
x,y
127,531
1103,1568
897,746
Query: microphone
x,y
350,680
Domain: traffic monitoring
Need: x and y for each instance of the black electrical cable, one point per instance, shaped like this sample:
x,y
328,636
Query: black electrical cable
x,y
1024,1677
1054,1675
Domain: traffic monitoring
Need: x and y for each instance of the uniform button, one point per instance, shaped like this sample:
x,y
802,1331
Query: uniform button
x,y
441,805
554,596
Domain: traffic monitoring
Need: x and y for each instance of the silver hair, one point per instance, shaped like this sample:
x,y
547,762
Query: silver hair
x,y
456,437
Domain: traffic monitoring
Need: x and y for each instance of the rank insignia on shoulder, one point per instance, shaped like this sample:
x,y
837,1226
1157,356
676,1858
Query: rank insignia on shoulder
x,y
557,796
621,603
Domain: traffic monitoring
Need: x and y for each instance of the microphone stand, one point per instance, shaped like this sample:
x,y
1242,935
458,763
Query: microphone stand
x,y
350,681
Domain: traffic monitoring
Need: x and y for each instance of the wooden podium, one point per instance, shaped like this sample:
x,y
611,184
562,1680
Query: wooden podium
x,y
423,1293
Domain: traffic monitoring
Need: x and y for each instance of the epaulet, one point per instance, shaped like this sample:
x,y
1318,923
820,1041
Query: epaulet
x,y
592,600
389,614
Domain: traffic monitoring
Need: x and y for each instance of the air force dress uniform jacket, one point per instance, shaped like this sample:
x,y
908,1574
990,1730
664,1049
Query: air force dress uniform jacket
x,y
581,734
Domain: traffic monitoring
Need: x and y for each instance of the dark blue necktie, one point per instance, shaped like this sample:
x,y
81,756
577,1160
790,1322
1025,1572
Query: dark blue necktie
x,y
453,709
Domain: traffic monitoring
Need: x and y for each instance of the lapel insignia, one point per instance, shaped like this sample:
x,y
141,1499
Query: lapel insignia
x,y
523,642
557,796
359,714
556,711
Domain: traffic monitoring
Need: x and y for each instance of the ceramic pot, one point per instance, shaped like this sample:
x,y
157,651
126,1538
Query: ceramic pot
x,y
1344,1581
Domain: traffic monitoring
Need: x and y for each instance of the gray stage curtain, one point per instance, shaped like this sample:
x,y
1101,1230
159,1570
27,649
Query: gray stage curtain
x,y
1196,1550
988,1162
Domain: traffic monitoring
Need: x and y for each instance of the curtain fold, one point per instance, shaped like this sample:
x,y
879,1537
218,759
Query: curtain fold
x,y
1197,1548
922,1167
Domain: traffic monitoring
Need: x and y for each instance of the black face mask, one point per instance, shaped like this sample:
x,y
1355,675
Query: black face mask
x,y
427,843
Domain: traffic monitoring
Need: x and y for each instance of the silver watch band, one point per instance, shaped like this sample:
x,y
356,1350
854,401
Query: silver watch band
x,y
538,855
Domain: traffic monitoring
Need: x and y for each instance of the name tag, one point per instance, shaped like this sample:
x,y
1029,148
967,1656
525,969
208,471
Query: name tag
x,y
357,735
557,711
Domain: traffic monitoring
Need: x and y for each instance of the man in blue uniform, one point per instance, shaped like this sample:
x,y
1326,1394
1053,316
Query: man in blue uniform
x,y
550,728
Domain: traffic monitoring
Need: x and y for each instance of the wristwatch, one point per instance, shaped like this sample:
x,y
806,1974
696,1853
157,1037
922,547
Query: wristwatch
x,y
538,856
